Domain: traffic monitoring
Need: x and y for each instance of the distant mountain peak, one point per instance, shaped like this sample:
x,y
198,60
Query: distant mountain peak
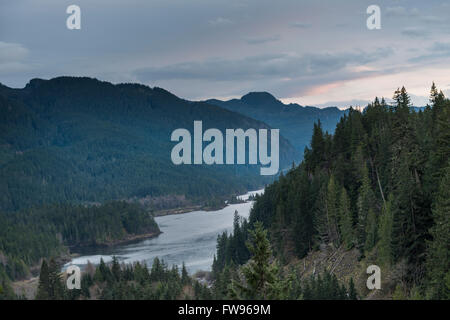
x,y
259,98
34,83
295,122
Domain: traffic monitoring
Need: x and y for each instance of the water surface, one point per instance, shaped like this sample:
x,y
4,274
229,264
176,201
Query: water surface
x,y
188,237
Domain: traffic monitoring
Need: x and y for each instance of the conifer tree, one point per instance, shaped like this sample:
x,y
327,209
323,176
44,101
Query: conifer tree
x,y
43,292
441,133
102,273
332,211
184,275
352,294
402,211
385,234
371,230
402,131
316,155
346,220
433,94
321,224
56,285
50,284
438,262
260,275
366,200
115,269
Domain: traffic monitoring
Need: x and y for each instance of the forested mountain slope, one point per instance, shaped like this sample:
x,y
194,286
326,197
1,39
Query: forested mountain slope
x,y
294,121
83,140
29,235
380,185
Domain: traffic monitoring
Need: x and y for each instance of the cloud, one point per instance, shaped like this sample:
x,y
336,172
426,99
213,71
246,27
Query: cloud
x,y
396,11
12,52
441,47
300,25
272,66
12,57
432,19
439,50
415,32
414,13
400,11
286,47
220,21
263,39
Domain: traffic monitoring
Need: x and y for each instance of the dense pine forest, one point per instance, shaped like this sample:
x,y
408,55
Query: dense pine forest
x,y
374,192
50,231
377,190
69,144
81,140
123,282
259,279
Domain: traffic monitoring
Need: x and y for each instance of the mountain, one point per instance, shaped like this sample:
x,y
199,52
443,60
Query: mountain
x,y
294,121
376,192
83,140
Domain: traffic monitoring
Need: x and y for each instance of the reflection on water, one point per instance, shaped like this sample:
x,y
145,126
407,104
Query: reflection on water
x,y
189,238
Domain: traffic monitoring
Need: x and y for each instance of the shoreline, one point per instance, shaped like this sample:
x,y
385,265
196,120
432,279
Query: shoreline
x,y
29,285
127,240
191,208
187,209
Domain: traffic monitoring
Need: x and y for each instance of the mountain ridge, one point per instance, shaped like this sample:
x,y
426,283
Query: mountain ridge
x,y
80,139
294,121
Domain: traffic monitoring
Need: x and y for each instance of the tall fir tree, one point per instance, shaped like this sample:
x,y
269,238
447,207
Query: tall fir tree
x,y
371,230
438,260
115,269
43,292
346,220
385,234
366,201
54,274
352,293
332,211
402,210
184,275
260,275
50,283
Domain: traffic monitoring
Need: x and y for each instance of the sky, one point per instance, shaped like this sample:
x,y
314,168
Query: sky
x,y
310,52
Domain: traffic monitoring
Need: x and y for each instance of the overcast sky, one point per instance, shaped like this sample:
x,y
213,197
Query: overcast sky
x,y
312,52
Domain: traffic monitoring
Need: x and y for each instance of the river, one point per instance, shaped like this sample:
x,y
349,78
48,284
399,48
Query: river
x,y
189,237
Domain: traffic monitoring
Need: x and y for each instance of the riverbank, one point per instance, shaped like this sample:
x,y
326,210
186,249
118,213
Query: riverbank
x,y
130,238
181,210
189,238
191,208
188,234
